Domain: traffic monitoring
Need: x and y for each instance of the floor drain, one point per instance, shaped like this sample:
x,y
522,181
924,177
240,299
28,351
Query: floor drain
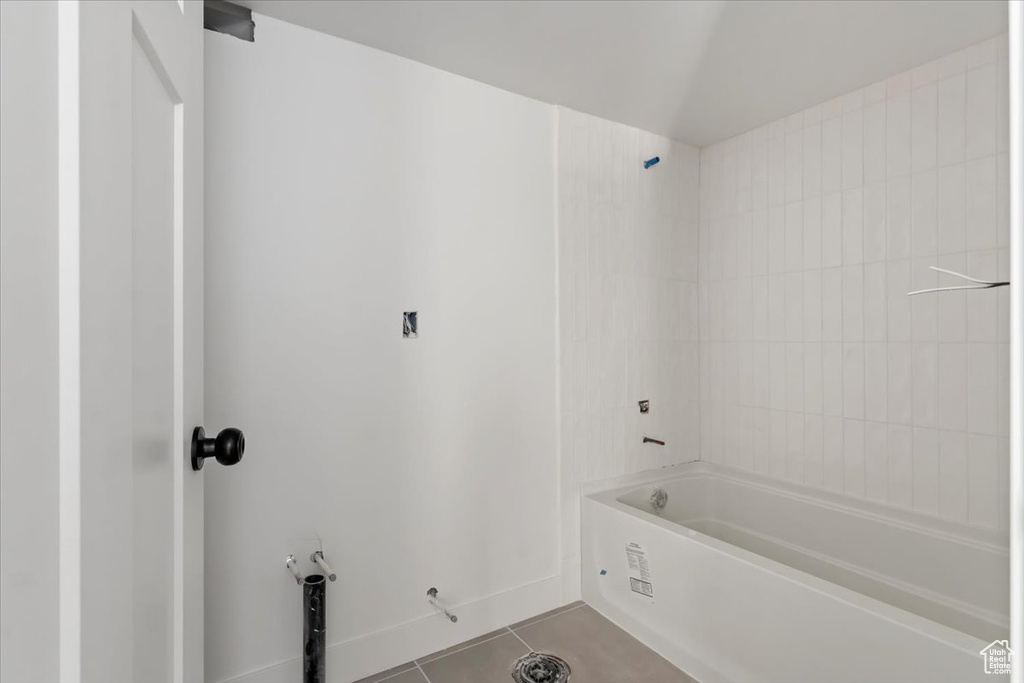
x,y
538,667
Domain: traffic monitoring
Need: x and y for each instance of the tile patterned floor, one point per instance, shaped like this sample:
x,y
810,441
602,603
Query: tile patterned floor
x,y
597,650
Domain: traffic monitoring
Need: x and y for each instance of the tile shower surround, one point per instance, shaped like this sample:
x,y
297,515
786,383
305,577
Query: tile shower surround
x,y
815,366
628,305
796,352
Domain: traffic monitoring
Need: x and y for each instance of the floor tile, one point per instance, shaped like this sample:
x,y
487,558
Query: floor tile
x,y
546,615
391,673
487,662
597,650
410,676
461,646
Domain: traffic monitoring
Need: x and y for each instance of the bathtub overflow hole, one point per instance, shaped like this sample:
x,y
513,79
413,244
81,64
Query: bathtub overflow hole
x,y
538,667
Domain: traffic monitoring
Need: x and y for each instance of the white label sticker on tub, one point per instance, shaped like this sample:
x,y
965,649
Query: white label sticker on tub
x,y
640,581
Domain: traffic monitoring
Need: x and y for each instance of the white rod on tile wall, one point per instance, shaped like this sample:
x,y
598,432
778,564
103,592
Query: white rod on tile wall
x,y
978,284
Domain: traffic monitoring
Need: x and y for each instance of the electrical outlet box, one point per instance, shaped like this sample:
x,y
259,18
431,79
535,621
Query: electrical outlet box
x,y
410,329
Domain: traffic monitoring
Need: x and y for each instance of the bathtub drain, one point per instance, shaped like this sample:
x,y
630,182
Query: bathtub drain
x,y
658,500
538,667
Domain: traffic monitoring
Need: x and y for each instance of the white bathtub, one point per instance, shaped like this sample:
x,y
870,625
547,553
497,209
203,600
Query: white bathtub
x,y
759,580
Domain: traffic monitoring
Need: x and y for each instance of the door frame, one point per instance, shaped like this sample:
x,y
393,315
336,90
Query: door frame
x,y
1016,71
94,42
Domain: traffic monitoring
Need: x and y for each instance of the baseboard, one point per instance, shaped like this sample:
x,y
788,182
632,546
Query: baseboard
x,y
360,657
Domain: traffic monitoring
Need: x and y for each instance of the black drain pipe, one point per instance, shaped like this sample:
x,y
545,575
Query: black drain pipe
x,y
314,628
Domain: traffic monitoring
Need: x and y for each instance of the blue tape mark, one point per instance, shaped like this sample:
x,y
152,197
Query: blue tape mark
x,y
651,162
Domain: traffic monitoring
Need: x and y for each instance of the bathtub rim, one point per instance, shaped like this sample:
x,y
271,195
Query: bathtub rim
x,y
983,539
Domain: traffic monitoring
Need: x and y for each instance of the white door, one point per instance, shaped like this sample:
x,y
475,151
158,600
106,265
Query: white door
x,y
131,234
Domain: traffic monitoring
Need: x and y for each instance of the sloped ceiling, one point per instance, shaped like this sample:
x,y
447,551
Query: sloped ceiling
x,y
697,71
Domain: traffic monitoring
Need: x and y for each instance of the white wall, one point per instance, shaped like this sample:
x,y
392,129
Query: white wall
x,y
815,365
28,342
628,246
344,186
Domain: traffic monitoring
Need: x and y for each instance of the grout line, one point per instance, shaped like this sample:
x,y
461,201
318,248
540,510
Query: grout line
x,y
552,616
461,647
397,673
520,639
498,634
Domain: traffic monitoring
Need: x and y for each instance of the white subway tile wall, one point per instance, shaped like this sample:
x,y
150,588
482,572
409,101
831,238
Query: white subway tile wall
x,y
628,303
814,364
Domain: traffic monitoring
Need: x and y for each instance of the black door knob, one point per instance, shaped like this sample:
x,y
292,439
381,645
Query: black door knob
x,y
227,448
